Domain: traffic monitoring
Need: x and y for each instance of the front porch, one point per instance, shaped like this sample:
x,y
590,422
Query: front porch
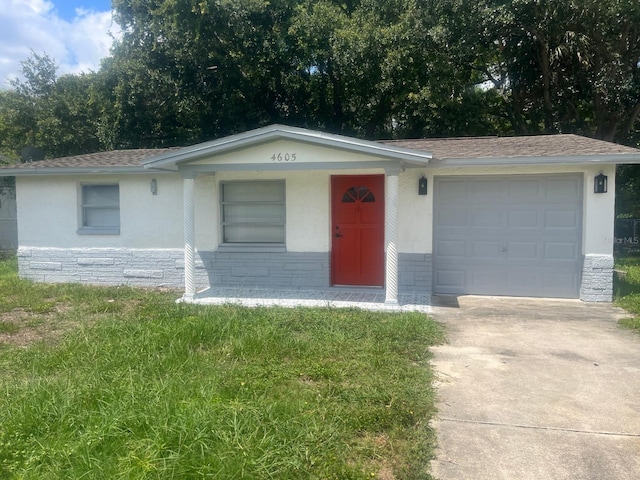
x,y
287,190
333,297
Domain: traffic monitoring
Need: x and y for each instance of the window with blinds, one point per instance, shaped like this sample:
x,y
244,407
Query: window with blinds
x,y
100,209
253,212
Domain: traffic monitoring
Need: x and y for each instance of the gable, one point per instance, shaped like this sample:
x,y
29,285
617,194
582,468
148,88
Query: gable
x,y
279,147
284,152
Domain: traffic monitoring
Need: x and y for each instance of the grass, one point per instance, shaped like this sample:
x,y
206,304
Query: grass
x,y
121,383
627,290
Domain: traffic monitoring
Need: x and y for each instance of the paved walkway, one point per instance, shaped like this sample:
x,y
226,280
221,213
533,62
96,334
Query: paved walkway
x,y
338,297
536,389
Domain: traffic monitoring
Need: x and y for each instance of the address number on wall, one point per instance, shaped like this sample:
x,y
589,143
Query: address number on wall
x,y
283,157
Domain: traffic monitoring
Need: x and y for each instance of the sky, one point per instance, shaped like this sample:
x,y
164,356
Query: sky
x,y
77,34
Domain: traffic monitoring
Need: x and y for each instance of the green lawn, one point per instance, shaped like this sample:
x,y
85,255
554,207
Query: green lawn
x,y
627,290
125,383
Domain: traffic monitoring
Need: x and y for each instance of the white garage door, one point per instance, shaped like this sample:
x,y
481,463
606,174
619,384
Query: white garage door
x,y
514,235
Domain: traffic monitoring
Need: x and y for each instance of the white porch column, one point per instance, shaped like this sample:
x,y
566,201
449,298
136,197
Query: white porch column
x,y
188,192
391,237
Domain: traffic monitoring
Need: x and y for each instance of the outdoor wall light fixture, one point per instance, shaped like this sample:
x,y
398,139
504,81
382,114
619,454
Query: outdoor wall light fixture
x,y
154,186
422,186
600,183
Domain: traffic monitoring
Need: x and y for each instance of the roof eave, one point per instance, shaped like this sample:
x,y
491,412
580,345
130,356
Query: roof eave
x,y
609,159
31,171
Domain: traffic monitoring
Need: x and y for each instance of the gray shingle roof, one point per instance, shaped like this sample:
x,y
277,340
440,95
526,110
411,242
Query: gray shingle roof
x,y
540,146
114,158
515,147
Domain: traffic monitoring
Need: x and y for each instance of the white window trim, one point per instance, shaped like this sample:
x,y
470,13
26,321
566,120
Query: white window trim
x,y
250,246
89,230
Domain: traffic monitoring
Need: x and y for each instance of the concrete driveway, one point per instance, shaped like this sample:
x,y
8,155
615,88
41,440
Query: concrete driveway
x,y
536,389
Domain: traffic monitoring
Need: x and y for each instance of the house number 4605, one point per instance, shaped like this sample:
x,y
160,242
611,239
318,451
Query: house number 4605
x,y
283,157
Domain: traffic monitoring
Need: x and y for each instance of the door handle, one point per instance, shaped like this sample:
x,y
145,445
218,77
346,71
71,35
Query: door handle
x,y
338,235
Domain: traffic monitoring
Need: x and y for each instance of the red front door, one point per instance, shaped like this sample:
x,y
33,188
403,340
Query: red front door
x,y
357,230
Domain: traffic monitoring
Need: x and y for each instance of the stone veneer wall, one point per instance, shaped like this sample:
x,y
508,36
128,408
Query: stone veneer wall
x,y
165,267
107,266
150,267
273,270
414,270
597,278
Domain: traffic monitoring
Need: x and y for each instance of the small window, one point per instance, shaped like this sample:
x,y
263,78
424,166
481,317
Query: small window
x,y
253,212
100,210
358,194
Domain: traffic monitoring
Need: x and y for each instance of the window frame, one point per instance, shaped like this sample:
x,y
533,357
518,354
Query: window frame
x,y
253,246
83,228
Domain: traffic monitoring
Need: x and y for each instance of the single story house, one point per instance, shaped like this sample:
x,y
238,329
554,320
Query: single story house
x,y
285,207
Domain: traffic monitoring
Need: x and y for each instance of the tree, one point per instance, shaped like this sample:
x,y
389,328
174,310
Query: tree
x,y
628,191
186,71
559,65
56,114
189,71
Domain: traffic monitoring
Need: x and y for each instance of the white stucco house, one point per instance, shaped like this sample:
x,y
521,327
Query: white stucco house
x,y
285,207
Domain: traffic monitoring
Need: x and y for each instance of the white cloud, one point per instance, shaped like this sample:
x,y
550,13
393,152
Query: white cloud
x,y
76,46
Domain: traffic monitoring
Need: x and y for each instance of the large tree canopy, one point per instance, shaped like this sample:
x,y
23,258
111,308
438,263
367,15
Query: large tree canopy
x,y
196,69
58,114
559,65
191,70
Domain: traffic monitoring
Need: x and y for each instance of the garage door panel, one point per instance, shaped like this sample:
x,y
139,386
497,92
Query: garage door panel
x,y
561,282
523,219
483,219
520,280
483,282
561,219
522,250
563,189
485,250
486,191
452,249
451,189
562,251
523,238
524,190
450,279
517,282
452,218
